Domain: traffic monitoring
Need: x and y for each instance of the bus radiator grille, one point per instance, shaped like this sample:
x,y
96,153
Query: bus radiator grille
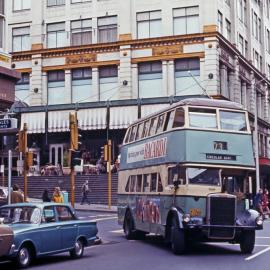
x,y
222,213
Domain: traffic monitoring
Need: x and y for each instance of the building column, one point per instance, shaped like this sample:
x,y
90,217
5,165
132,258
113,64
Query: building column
x,y
68,87
165,78
252,93
244,94
95,85
236,82
171,79
224,81
266,103
135,81
231,85
44,88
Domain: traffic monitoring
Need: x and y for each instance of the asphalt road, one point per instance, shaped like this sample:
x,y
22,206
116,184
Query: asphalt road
x,y
117,253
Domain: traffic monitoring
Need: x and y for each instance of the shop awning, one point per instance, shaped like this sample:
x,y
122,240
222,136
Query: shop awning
x,y
122,117
92,119
149,109
58,121
35,122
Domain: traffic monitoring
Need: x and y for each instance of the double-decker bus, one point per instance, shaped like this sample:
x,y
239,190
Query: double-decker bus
x,y
186,173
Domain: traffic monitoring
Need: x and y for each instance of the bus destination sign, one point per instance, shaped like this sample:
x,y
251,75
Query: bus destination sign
x,y
5,123
220,157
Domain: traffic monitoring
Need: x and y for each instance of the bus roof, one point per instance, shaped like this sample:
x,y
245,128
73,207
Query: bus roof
x,y
204,102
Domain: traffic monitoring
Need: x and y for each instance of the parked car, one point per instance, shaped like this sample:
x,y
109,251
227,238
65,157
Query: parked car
x,y
3,195
31,230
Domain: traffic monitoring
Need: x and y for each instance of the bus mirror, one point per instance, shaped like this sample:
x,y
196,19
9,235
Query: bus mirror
x,y
176,183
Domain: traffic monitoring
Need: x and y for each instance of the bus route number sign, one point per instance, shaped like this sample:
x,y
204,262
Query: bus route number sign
x,y
220,157
5,123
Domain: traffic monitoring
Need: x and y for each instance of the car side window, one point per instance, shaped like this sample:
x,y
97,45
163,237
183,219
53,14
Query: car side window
x,y
64,213
49,214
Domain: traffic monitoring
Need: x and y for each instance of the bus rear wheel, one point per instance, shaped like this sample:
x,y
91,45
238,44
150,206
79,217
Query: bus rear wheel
x,y
178,242
247,242
129,226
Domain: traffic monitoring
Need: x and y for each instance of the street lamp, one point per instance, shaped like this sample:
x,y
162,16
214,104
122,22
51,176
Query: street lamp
x,y
257,165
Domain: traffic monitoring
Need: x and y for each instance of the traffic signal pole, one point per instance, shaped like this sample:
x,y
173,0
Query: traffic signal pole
x,y
25,167
109,174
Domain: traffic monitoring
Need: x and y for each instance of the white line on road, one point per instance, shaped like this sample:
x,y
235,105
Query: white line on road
x,y
257,254
263,237
106,218
228,244
117,231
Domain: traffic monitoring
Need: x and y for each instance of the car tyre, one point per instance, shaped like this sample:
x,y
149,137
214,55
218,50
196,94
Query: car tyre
x,y
129,226
24,257
178,242
78,250
247,242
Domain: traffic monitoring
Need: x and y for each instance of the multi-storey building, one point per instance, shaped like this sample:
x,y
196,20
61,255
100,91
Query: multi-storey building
x,y
8,78
114,61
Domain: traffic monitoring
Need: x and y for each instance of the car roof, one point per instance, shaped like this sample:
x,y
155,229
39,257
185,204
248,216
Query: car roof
x,y
38,204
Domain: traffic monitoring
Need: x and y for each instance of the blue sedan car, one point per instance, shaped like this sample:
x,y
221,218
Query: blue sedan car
x,y
28,231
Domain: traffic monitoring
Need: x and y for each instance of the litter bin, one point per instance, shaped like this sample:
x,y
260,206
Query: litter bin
x,y
65,196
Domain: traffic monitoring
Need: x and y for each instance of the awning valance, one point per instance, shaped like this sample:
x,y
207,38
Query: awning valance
x,y
122,117
35,122
58,121
149,109
92,119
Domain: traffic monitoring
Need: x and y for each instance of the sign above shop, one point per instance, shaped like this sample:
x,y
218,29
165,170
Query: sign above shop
x,y
8,123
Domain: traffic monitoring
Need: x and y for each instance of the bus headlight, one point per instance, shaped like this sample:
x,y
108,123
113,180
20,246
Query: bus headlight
x,y
186,218
259,221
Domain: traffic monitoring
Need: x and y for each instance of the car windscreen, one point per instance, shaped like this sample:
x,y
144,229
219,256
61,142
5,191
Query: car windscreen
x,y
233,121
203,176
22,214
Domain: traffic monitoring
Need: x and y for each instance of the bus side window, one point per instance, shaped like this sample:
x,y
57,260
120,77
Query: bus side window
x,y
160,187
152,129
127,185
179,118
169,120
139,132
133,133
153,187
176,173
132,183
139,183
127,136
160,123
145,128
146,183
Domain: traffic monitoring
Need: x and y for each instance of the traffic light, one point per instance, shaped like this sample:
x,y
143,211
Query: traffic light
x,y
75,159
104,152
19,141
74,132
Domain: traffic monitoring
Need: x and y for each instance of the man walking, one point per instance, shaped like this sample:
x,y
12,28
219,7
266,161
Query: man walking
x,y
16,195
85,191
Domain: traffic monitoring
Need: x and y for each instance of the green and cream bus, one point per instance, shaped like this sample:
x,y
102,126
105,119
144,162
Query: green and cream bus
x,y
186,173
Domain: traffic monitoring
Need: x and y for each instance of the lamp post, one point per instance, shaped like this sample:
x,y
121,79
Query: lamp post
x,y
256,141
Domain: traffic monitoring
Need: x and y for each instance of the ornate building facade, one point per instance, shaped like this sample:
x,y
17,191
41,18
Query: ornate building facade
x,y
113,61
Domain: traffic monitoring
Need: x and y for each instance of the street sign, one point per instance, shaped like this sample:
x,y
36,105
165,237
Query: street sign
x,y
8,123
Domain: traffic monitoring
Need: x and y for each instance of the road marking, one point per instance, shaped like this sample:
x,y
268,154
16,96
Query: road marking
x,y
106,218
263,237
117,231
228,244
257,254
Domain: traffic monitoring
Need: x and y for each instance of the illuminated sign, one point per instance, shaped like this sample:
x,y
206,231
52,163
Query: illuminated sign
x,y
8,123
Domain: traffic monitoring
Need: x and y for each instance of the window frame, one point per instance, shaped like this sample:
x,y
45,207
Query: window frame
x,y
56,3
21,4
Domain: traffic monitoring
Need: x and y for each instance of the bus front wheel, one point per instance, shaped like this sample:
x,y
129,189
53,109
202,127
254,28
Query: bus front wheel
x,y
177,238
129,226
247,242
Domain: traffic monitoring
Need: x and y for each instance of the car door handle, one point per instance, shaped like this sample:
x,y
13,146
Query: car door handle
x,y
75,225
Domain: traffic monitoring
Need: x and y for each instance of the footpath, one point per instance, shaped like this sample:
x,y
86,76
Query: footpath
x,y
95,207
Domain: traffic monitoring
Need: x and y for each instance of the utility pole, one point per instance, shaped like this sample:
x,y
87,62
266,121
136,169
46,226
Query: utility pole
x,y
107,152
74,146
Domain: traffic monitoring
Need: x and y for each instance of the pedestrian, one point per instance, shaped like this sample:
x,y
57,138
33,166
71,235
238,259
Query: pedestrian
x,y
16,194
45,196
258,201
57,196
85,191
265,202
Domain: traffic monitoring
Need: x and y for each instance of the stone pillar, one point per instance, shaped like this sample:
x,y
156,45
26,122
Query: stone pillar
x,y
68,87
224,81
125,75
36,81
171,79
252,93
44,88
236,82
165,89
135,81
266,103
231,85
37,26
244,94
94,22
95,95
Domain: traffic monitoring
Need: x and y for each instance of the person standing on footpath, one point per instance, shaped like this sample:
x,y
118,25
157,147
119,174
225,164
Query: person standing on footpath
x,y
85,191
45,196
57,196
16,194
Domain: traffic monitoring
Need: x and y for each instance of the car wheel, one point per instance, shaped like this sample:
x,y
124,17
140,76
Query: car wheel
x,y
247,242
78,250
129,226
24,257
178,243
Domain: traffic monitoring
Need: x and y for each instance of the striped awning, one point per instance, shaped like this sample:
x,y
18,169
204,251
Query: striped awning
x,y
58,121
122,117
35,122
92,119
